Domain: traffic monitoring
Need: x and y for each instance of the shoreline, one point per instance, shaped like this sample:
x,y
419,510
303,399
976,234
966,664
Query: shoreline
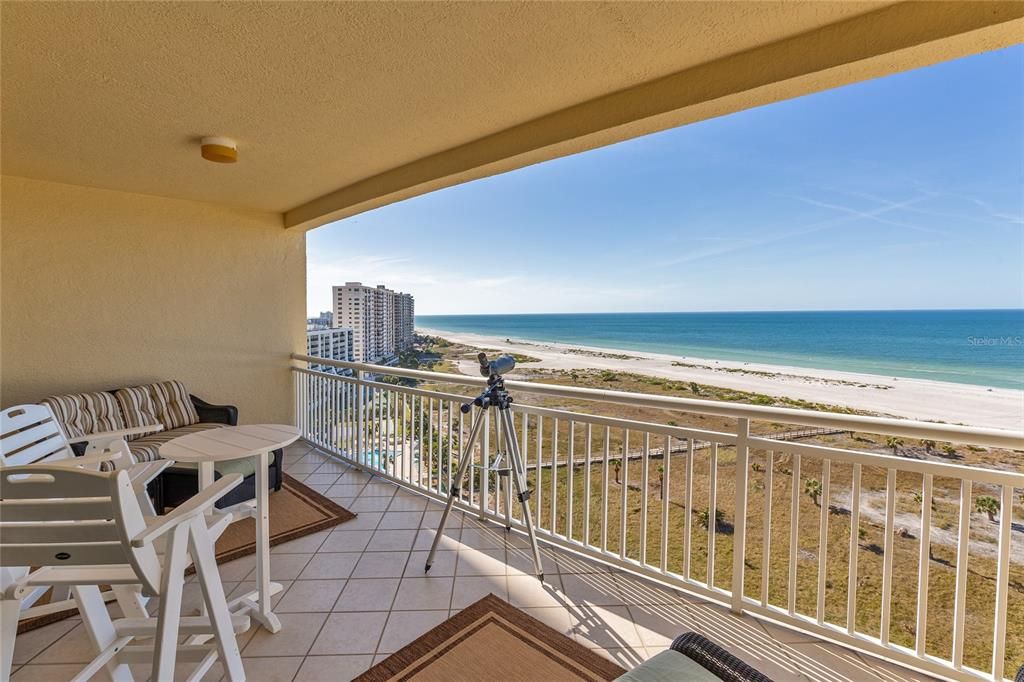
x,y
910,398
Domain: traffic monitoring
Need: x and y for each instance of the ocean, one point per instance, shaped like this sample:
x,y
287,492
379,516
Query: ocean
x,y
982,347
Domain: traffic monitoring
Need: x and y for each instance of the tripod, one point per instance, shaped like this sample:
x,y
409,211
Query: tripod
x,y
495,396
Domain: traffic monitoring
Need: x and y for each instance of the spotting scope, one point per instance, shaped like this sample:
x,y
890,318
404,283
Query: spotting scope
x,y
496,367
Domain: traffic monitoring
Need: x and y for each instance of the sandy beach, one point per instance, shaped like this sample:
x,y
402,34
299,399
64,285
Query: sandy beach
x,y
900,397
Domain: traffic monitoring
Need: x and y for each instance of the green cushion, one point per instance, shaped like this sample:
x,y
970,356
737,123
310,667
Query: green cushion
x,y
669,666
245,466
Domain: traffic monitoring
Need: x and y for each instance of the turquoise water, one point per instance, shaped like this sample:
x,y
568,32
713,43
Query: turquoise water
x,y
983,347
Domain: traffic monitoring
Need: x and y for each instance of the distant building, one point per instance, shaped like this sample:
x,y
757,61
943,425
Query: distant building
x,y
324,321
332,344
382,320
405,321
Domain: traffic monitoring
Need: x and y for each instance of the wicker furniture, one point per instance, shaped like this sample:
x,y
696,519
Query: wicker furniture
x,y
170,405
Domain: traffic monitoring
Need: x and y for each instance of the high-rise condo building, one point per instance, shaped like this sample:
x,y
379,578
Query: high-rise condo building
x,y
382,320
333,344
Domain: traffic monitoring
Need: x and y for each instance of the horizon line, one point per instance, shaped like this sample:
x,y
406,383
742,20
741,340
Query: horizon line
x,y
714,312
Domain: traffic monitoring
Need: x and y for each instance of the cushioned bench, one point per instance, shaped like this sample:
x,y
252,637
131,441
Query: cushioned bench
x,y
169,404
693,658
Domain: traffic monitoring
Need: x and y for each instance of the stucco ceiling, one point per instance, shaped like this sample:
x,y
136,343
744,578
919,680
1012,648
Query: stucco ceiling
x,y
324,96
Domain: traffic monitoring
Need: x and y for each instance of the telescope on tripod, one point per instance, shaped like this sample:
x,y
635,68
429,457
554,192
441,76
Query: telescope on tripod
x,y
507,462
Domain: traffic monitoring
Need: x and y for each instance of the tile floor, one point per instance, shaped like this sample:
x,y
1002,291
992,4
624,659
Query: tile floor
x,y
357,593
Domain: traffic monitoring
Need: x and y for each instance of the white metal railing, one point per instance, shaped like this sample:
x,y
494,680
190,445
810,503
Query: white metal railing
x,y
742,516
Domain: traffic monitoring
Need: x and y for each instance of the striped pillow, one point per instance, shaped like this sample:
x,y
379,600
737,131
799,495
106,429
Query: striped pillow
x,y
137,408
81,414
173,406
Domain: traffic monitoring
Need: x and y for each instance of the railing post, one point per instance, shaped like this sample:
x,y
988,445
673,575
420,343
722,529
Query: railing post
x,y
360,418
740,515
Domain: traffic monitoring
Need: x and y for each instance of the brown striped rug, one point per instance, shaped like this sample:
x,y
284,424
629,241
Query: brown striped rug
x,y
492,640
295,510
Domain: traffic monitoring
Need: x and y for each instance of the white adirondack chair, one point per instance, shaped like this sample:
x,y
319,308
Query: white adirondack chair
x,y
31,434
85,529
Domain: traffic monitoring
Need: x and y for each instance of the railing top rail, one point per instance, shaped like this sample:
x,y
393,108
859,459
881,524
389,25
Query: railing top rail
x,y
880,425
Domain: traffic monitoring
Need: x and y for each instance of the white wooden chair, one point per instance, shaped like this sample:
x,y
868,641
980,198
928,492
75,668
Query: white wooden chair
x,y
31,434
85,529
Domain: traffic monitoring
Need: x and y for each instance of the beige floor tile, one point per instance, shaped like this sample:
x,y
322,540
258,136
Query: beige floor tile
x,y
482,538
298,631
400,520
569,563
894,673
29,644
73,647
333,668
637,590
444,563
344,540
276,669
404,627
242,588
367,594
379,489
469,589
286,566
322,479
381,565
605,627
370,504
596,589
408,504
307,544
343,502
237,570
526,590
520,561
830,663
310,596
345,489
332,467
307,465
432,517
555,617
658,625
421,594
481,562
350,633
330,566
392,540
46,673
364,521
450,539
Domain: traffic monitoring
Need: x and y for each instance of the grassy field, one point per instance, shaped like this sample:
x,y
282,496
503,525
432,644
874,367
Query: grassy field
x,y
570,488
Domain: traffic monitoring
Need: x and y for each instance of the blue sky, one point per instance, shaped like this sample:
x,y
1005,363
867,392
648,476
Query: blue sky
x,y
901,192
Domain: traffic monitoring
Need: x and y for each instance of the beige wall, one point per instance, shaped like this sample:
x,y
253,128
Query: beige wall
x,y
100,289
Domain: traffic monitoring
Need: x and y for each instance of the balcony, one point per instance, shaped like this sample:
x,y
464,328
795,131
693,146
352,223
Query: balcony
x,y
924,589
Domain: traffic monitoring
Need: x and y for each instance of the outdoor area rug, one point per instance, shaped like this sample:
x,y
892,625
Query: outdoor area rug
x,y
295,510
492,640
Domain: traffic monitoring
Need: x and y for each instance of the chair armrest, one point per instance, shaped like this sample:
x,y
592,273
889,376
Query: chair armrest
x,y
86,460
194,506
215,414
120,433
141,474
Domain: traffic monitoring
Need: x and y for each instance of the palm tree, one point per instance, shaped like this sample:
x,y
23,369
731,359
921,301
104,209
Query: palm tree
x,y
989,505
617,465
894,443
812,487
929,445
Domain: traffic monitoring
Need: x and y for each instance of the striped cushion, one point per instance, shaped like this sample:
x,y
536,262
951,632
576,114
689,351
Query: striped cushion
x,y
147,448
81,414
170,404
137,408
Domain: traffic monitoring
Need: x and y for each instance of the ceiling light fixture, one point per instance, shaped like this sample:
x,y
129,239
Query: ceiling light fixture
x,y
219,149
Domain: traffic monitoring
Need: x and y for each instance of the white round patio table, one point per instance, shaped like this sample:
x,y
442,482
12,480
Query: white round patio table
x,y
206,448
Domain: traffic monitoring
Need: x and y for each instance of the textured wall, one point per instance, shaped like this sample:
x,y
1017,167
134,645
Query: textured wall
x,y
103,289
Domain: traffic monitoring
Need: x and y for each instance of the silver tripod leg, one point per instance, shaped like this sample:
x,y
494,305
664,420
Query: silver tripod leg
x,y
456,485
519,478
